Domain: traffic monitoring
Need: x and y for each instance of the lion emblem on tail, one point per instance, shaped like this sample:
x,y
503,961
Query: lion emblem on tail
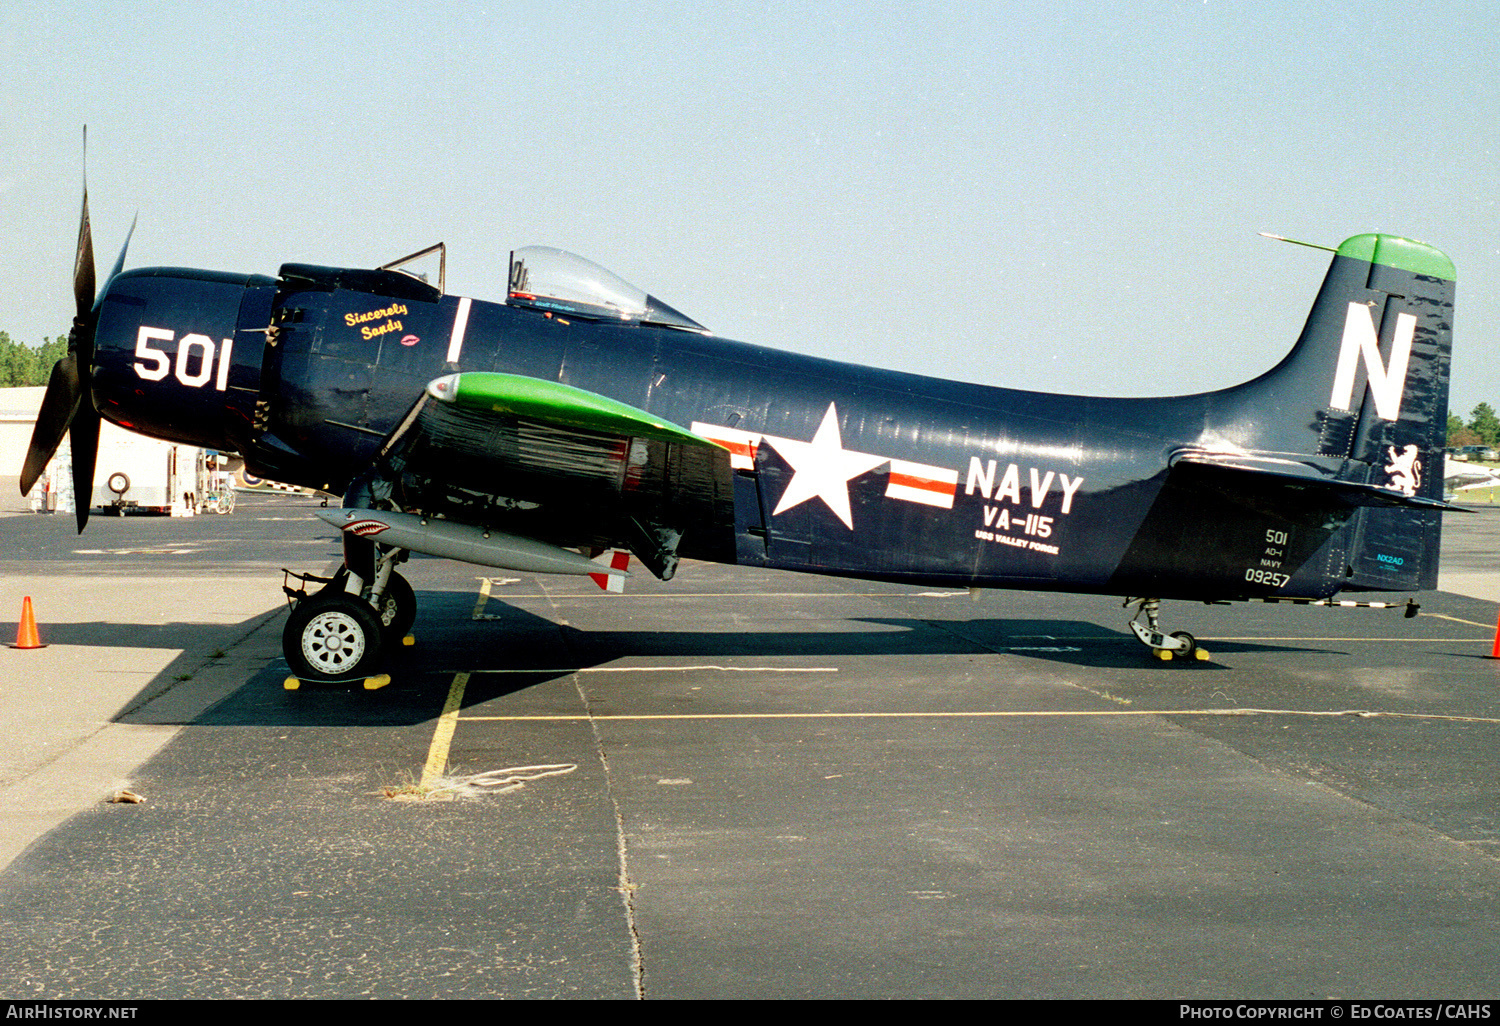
x,y
1405,470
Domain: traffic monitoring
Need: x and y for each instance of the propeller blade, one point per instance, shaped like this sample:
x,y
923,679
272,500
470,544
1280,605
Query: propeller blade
x,y
68,406
59,405
81,343
120,261
84,436
83,262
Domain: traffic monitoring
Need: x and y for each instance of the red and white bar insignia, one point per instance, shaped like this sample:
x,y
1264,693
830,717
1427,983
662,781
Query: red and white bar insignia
x,y
909,482
741,444
917,482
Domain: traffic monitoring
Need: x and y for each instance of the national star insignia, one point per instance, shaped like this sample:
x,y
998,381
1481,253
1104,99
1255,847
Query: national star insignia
x,y
823,468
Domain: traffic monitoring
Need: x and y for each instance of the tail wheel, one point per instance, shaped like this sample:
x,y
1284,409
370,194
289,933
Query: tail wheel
x,y
332,637
398,609
1188,640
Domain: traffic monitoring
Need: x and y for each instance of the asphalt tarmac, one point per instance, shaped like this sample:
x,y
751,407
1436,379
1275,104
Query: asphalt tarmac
x,y
738,784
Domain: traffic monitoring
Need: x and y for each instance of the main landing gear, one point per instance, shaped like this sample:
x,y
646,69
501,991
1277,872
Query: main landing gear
x,y
338,633
1179,644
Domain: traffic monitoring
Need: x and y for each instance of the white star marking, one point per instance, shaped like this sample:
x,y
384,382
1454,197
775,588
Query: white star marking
x,y
822,468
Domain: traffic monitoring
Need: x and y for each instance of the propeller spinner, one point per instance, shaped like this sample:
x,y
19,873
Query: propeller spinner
x,y
68,406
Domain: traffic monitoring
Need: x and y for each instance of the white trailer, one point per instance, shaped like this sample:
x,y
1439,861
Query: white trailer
x,y
139,473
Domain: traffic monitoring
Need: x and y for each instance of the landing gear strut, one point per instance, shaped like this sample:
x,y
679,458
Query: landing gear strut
x,y
397,608
1179,644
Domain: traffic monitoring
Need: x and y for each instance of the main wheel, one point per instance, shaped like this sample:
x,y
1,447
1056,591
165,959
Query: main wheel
x,y
398,609
1192,643
332,636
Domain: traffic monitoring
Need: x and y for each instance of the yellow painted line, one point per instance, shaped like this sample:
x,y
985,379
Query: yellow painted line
x,y
483,600
442,737
1455,619
987,714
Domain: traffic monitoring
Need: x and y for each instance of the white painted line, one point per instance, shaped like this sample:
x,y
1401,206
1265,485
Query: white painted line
x,y
660,669
460,325
722,669
754,594
1308,637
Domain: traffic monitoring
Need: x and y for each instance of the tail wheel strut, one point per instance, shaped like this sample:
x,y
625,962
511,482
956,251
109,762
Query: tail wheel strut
x,y
1166,647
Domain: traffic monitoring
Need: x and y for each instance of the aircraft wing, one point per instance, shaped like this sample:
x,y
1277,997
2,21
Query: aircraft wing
x,y
543,460
1463,477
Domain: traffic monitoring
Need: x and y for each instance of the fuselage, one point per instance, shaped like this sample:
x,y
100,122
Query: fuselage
x,y
837,468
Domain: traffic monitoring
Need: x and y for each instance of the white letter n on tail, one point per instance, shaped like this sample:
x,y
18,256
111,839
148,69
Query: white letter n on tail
x,y
1387,385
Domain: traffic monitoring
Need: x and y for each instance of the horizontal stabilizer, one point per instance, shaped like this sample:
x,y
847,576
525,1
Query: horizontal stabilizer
x,y
1315,489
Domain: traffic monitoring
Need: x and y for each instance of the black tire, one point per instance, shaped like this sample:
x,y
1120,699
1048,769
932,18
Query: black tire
x,y
398,609
335,586
1192,643
332,637
119,483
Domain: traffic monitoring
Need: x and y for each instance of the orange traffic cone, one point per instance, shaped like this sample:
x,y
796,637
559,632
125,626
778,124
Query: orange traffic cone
x,y
1495,652
26,636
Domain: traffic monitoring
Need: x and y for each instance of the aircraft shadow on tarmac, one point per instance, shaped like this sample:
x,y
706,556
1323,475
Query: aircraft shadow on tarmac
x,y
186,637
511,650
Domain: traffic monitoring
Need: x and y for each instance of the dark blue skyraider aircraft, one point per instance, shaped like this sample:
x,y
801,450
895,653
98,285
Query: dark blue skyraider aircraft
x,y
580,416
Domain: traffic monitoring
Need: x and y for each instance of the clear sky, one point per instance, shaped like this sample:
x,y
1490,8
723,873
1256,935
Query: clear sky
x,y
1061,197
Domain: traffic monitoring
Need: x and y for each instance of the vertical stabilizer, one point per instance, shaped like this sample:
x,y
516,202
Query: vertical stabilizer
x,y
1365,394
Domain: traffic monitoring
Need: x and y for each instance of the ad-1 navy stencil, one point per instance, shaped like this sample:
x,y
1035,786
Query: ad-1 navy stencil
x,y
578,415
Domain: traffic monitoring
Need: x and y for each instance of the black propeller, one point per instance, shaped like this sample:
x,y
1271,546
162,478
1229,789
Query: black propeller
x,y
68,406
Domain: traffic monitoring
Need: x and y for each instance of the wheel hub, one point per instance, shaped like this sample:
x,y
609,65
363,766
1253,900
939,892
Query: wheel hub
x,y
333,641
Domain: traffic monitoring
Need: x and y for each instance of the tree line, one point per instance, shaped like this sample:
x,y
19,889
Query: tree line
x,y
22,365
1482,427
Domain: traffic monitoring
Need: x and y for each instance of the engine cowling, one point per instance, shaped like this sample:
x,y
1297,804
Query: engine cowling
x,y
177,354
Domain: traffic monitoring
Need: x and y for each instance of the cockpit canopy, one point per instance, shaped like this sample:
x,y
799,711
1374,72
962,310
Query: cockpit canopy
x,y
554,280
